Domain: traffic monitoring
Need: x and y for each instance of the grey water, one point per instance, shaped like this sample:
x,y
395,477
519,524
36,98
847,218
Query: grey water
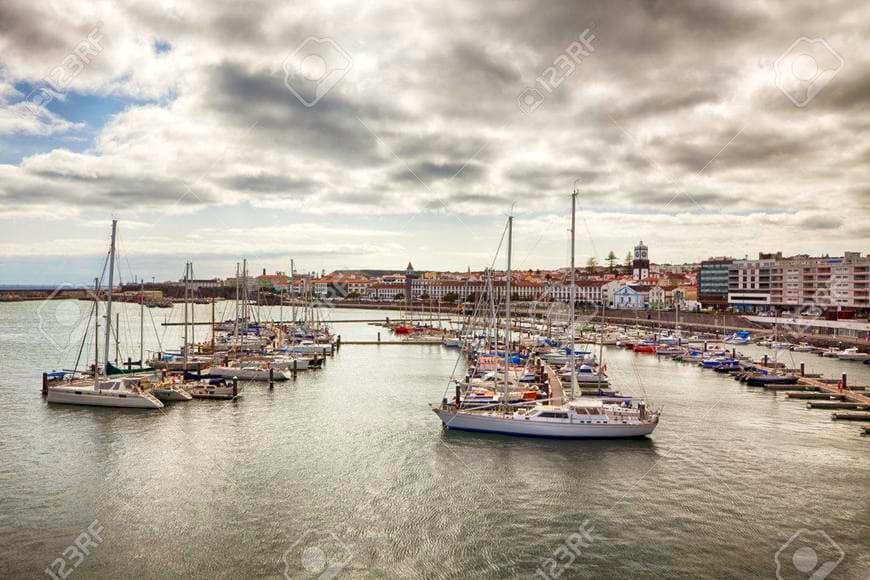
x,y
346,472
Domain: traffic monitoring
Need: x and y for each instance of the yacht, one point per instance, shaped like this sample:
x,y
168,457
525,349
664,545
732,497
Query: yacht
x,y
213,388
115,392
803,347
250,372
853,354
102,390
580,419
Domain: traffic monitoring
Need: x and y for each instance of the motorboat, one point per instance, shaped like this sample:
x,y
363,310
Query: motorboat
x,y
213,388
803,347
853,354
251,372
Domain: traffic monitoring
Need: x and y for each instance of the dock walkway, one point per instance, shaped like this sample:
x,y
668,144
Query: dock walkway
x,y
557,393
825,387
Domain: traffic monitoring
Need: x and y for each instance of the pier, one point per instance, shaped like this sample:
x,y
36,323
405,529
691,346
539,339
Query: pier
x,y
557,393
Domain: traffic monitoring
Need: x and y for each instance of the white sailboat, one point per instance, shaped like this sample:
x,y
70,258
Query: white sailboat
x,y
104,391
580,418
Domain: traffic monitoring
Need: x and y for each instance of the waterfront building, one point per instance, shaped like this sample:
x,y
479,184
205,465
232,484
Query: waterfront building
x,y
825,283
713,282
632,296
749,283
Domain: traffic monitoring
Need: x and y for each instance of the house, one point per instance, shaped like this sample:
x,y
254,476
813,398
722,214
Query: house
x,y
632,296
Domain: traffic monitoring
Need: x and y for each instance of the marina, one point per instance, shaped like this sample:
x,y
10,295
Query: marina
x,y
418,291
661,401
266,443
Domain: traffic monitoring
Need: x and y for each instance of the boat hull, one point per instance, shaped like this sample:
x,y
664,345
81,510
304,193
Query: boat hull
x,y
94,398
515,427
170,394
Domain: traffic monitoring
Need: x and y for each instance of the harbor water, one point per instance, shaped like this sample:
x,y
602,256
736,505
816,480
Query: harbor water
x,y
348,466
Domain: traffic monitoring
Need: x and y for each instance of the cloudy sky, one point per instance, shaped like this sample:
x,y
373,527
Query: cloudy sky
x,y
365,134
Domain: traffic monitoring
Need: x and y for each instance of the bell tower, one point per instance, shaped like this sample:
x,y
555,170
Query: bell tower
x,y
640,264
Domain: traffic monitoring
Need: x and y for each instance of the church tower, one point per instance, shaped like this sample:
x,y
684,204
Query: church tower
x,y
640,265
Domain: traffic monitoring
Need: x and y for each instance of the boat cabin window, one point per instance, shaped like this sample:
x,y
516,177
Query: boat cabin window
x,y
551,415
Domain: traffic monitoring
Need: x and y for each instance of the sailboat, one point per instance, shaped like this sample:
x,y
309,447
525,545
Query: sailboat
x,y
104,390
580,418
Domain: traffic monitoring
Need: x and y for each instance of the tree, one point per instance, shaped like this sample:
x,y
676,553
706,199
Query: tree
x,y
398,296
611,260
450,297
628,260
424,296
591,263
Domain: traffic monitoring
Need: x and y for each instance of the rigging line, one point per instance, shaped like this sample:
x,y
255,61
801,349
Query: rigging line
x,y
85,336
156,335
492,265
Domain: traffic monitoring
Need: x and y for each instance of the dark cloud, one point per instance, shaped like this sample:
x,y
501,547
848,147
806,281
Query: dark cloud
x,y
269,183
258,99
430,172
821,222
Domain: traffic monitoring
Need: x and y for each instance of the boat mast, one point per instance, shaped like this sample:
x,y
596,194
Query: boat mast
x,y
142,324
96,329
507,312
236,327
109,296
573,295
190,280
186,270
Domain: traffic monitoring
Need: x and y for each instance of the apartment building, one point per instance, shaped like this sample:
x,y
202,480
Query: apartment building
x,y
828,283
749,288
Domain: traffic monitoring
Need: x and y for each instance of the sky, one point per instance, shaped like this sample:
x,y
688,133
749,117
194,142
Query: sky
x,y
367,134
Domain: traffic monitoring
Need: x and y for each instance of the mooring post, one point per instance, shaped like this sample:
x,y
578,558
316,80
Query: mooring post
x,y
379,338
338,343
235,387
843,379
803,367
295,365
271,378
44,384
764,360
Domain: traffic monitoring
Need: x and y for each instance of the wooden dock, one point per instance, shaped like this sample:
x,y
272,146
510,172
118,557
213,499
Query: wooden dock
x,y
826,387
858,416
557,393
